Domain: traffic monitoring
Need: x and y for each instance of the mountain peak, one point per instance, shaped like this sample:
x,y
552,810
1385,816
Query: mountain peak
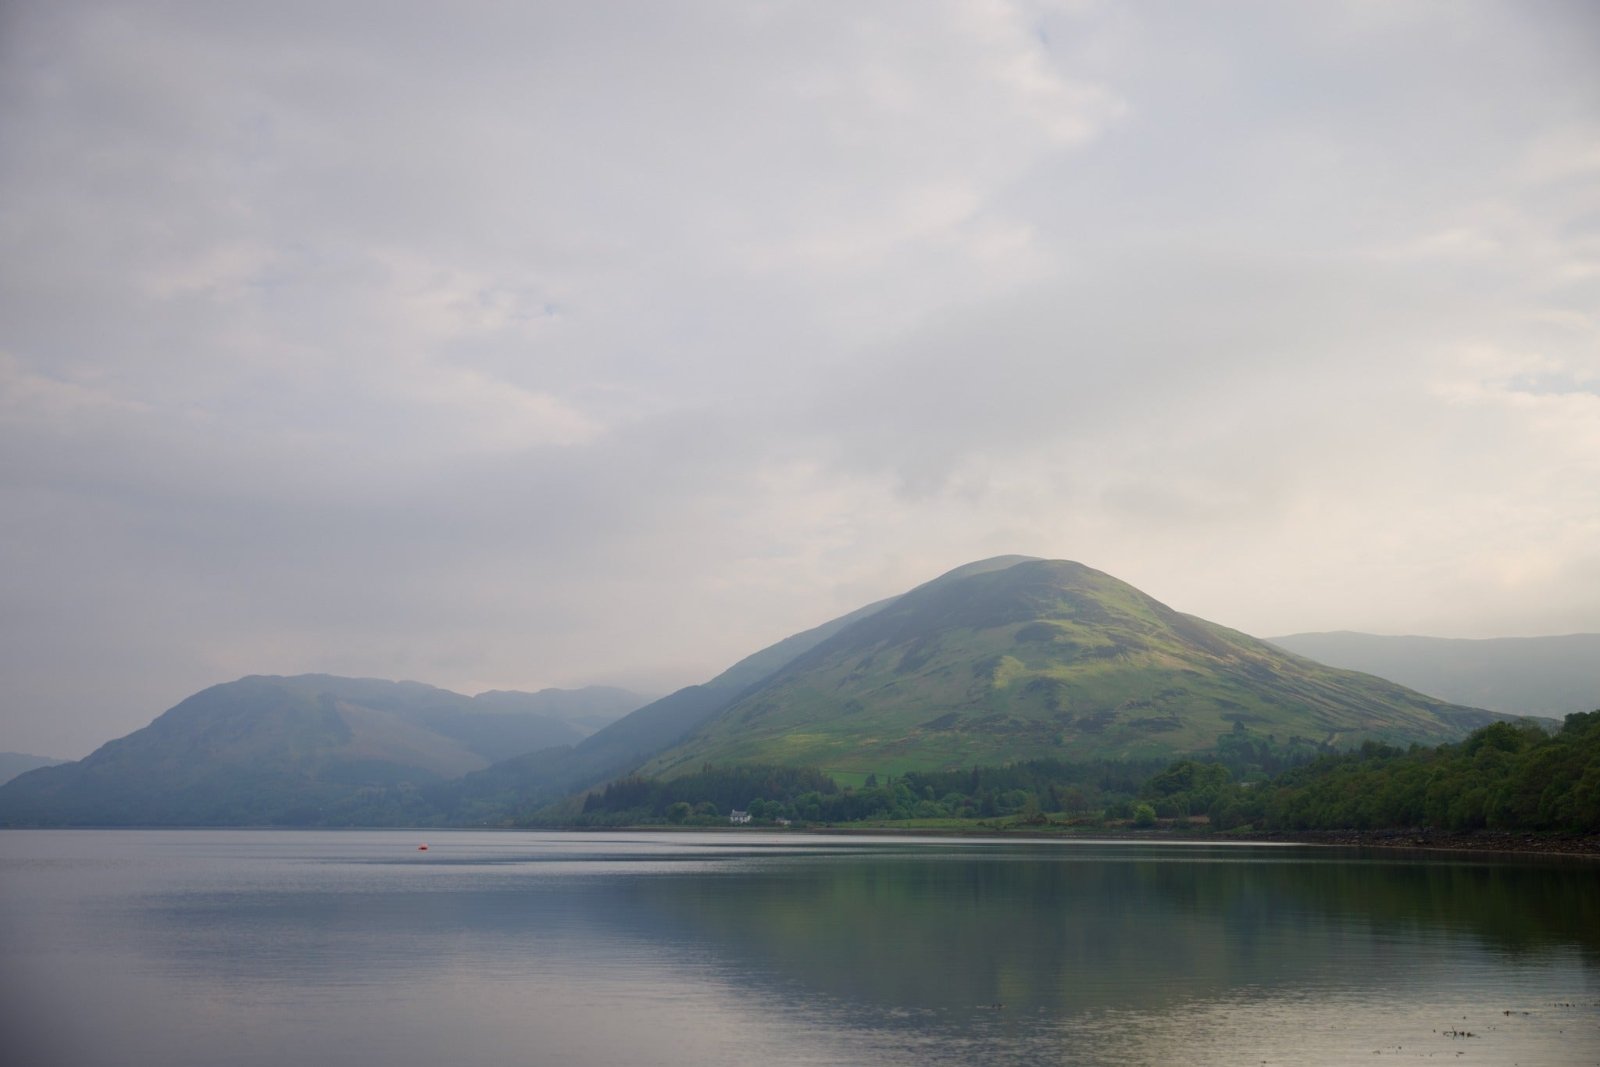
x,y
1019,657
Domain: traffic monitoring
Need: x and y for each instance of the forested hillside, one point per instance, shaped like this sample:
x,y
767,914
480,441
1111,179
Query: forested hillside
x,y
1505,776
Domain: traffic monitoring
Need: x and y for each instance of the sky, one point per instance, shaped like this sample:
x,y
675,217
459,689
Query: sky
x,y
514,345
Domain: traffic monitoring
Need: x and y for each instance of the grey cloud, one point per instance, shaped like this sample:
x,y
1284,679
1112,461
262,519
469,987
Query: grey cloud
x,y
555,343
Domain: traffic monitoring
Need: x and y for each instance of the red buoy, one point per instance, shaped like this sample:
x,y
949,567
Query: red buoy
x,y
422,847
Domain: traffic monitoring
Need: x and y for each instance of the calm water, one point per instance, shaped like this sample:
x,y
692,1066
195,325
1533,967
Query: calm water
x,y
311,948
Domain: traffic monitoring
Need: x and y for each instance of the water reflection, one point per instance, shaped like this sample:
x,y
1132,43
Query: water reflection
x,y
1090,929
494,948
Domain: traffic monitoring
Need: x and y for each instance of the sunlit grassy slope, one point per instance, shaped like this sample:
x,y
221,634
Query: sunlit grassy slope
x,y
1043,658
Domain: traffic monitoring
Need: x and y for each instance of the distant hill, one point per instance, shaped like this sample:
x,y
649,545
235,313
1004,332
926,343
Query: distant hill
x,y
585,710
311,749
15,763
1042,658
1544,676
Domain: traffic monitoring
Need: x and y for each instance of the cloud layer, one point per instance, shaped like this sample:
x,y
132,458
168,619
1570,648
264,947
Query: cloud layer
x,y
546,344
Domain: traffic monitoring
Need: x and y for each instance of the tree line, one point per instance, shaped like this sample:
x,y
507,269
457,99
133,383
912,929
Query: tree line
x,y
1504,776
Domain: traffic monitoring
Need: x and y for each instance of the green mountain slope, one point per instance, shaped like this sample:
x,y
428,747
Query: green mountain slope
x,y
1042,658
271,750
630,741
1548,676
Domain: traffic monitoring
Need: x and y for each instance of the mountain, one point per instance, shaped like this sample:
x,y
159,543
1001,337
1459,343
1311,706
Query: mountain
x,y
1005,659
15,763
305,749
625,744
1546,676
1039,658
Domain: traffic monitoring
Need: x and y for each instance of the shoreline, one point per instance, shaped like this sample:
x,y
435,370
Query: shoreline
x,y
1480,842
1483,842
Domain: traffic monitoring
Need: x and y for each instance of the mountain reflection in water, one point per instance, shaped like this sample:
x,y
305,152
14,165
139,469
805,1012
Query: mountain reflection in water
x,y
251,947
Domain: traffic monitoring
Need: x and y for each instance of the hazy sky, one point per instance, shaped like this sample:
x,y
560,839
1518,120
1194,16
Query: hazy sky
x,y
509,345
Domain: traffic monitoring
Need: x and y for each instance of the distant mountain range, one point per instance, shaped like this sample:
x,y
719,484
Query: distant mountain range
x,y
15,763
310,749
1004,659
1544,676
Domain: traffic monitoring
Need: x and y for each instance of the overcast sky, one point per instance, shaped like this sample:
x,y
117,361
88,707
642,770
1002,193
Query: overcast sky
x,y
512,345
